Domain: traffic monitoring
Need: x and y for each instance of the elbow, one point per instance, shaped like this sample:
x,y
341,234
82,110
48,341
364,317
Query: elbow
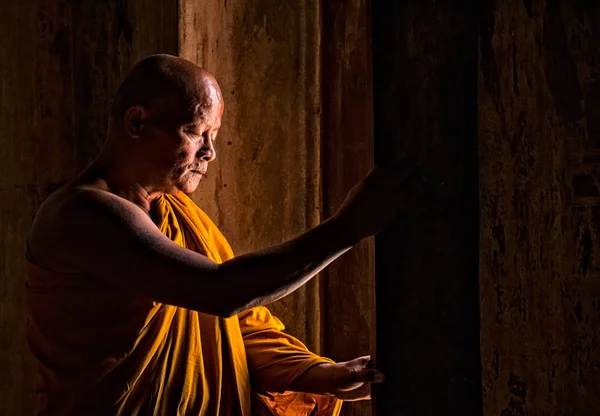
x,y
222,312
229,311
233,298
234,307
225,309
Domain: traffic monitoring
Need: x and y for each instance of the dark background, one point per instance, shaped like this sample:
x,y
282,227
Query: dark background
x,y
485,299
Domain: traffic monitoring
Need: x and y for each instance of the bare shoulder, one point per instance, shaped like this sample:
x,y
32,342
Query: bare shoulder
x,y
75,210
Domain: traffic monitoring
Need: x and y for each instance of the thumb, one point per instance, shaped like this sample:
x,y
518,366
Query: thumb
x,y
360,362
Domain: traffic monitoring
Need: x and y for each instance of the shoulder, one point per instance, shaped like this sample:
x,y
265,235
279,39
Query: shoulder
x,y
70,214
70,205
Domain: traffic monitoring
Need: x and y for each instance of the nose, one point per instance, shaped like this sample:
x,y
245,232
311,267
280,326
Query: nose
x,y
207,151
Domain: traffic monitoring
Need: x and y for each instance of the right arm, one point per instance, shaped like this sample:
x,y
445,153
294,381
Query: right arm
x,y
116,241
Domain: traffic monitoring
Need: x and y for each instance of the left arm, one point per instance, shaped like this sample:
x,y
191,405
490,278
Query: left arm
x,y
276,360
349,381
279,362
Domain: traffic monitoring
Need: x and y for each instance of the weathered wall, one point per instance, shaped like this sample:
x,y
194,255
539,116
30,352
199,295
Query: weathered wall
x,y
264,187
539,135
60,63
296,135
425,102
349,283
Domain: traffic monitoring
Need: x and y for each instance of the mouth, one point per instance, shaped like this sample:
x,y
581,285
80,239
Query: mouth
x,y
199,172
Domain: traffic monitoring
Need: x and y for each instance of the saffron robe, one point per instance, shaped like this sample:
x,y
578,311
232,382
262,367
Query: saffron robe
x,y
102,350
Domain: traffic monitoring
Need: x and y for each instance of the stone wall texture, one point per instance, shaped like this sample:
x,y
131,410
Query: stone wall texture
x,y
539,154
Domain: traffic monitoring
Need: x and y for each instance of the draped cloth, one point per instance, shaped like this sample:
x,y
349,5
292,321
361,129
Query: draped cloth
x,y
102,350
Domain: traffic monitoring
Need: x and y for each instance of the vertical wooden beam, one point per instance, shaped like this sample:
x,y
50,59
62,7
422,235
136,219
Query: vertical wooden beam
x,y
349,283
60,64
539,149
111,37
425,101
264,187
35,115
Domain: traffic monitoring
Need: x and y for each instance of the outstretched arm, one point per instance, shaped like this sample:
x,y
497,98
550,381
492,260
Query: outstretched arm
x,y
116,241
279,362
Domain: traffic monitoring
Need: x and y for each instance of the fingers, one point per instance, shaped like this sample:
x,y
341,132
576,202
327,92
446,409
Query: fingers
x,y
360,362
362,371
360,393
369,375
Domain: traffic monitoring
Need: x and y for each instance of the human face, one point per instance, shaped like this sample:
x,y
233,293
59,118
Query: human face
x,y
178,147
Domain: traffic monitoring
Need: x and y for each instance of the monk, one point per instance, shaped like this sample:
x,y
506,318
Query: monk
x,y
137,305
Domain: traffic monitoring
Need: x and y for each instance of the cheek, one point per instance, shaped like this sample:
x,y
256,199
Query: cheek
x,y
162,150
185,155
183,160
174,154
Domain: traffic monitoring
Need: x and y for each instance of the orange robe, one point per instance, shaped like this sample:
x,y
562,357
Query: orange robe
x,y
102,350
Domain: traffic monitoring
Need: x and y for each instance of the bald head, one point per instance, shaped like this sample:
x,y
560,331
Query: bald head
x,y
169,84
164,121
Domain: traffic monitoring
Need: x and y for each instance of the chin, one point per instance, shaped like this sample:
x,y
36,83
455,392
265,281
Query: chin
x,y
189,187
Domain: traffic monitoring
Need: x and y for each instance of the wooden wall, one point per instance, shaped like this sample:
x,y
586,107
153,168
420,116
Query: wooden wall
x,y
296,135
539,154
60,64
264,187
348,156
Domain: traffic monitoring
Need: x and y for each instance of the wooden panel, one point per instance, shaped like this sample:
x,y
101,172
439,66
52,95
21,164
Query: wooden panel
x,y
60,64
35,115
349,283
36,92
425,102
264,186
539,136
111,37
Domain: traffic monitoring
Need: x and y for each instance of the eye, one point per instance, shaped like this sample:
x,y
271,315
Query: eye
x,y
191,130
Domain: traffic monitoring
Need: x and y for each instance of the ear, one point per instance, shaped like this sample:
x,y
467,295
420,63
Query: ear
x,y
134,120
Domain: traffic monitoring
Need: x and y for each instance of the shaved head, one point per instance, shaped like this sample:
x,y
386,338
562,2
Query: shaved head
x,y
163,123
168,83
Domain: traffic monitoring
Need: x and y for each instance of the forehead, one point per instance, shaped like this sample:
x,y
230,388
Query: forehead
x,y
206,101
191,109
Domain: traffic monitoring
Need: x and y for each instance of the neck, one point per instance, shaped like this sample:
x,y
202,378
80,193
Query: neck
x,y
111,172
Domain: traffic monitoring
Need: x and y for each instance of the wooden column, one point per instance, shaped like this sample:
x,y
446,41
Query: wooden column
x,y
28,107
264,187
60,64
539,149
349,283
425,103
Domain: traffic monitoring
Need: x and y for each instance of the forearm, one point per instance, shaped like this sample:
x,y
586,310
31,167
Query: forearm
x,y
316,380
267,275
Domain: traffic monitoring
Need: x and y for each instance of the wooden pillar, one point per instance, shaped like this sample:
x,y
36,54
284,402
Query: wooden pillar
x,y
264,187
349,283
60,64
425,105
539,150
273,167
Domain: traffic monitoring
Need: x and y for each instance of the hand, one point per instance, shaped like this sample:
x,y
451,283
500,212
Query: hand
x,y
349,381
376,200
